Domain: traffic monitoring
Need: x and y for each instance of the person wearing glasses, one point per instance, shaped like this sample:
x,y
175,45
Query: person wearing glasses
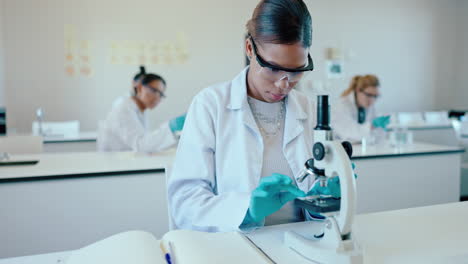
x,y
246,139
126,129
354,116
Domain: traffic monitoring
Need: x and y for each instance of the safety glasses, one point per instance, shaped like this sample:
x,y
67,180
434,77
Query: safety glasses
x,y
154,90
371,96
276,73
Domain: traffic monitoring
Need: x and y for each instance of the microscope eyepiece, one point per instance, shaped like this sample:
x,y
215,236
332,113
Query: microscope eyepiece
x,y
323,113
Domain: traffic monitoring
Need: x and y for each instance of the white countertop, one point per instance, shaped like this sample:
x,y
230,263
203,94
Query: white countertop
x,y
432,234
385,150
438,231
83,136
62,164
422,126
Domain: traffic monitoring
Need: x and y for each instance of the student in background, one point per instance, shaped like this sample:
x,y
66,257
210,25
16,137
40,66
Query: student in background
x,y
126,128
354,115
136,82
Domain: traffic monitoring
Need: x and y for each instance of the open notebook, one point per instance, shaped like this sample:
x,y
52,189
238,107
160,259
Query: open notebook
x,y
187,247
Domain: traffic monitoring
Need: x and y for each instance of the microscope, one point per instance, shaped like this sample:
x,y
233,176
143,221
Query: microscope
x,y
331,158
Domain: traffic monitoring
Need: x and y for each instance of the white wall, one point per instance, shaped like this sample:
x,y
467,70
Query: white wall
x,y
34,41
460,97
411,45
2,56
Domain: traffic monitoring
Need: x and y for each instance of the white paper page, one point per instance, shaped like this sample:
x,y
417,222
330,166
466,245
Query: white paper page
x,y
222,248
129,247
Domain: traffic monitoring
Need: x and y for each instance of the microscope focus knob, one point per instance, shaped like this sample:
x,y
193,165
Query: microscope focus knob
x,y
348,148
318,151
309,164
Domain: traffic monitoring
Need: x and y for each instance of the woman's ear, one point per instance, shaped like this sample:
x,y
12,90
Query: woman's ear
x,y
139,88
248,48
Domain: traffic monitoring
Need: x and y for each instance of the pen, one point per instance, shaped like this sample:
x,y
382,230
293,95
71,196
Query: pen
x,y
171,251
167,256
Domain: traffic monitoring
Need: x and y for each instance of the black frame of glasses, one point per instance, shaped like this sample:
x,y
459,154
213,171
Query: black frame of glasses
x,y
373,96
263,63
154,90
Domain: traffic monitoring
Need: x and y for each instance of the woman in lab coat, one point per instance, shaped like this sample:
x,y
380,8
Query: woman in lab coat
x,y
125,128
246,139
354,116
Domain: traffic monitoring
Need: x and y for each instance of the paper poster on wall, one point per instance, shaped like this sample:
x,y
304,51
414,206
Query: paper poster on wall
x,y
70,70
182,47
130,52
69,42
168,53
114,51
86,71
334,69
77,54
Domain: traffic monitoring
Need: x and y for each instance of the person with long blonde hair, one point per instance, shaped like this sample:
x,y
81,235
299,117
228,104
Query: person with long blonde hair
x,y
354,115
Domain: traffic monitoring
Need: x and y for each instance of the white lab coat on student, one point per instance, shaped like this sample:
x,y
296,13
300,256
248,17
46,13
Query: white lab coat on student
x,y
344,115
219,157
125,129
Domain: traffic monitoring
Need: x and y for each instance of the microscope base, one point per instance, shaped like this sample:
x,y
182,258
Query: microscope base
x,y
328,249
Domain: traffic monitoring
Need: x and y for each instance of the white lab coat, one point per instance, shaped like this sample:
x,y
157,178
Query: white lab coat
x,y
219,157
125,129
344,115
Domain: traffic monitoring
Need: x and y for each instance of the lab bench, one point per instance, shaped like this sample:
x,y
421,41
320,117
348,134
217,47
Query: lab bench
x,y
442,134
416,235
73,199
84,142
415,175
68,200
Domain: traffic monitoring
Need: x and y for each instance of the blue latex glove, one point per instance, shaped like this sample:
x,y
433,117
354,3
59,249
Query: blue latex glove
x,y
381,121
271,194
177,124
332,188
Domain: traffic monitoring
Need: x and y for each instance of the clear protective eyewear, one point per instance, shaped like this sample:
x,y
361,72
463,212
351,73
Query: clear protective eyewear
x,y
276,73
155,90
371,96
